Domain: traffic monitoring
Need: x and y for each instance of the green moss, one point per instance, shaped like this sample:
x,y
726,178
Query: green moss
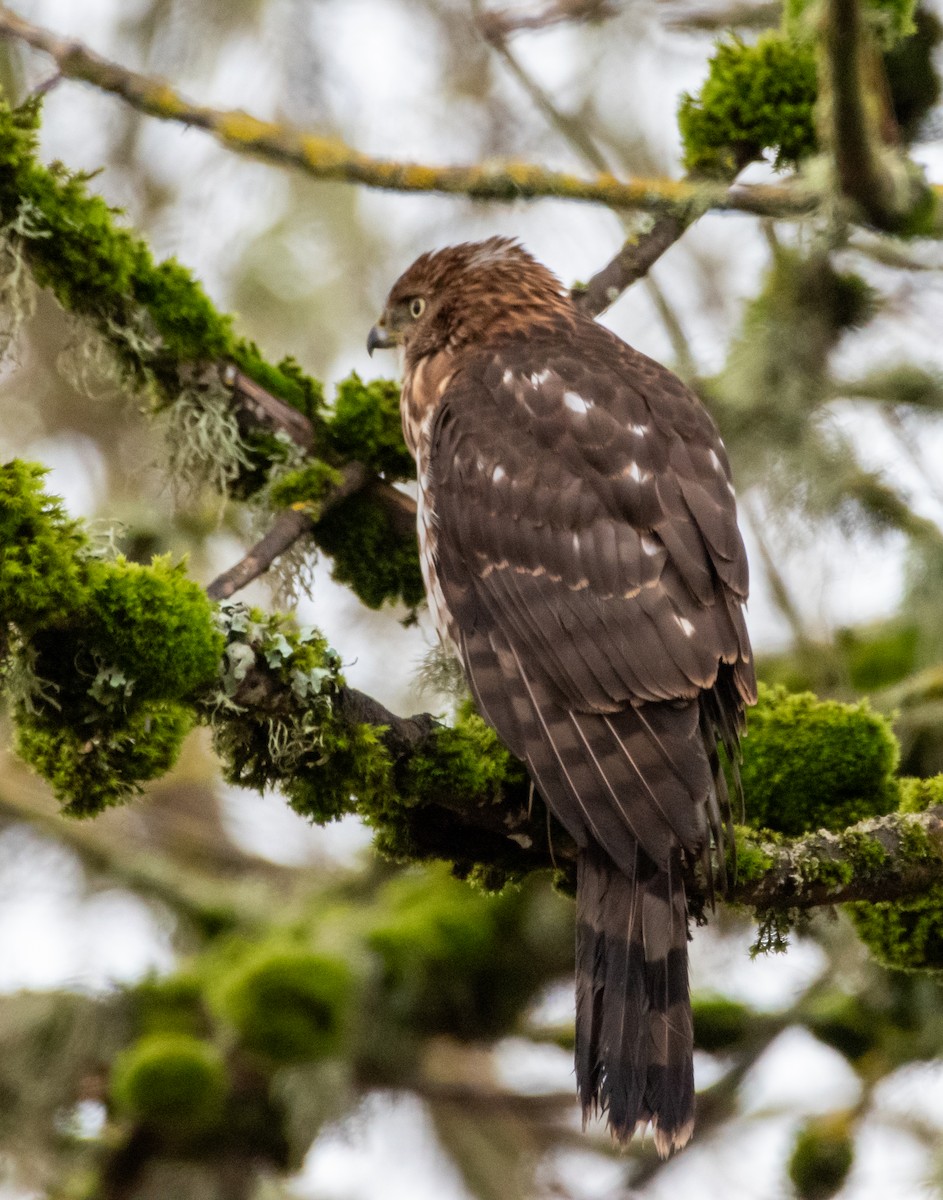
x,y
756,98
821,1158
809,764
844,1023
719,1022
42,552
173,1004
325,764
752,862
287,1005
156,625
97,767
370,554
286,380
306,487
173,1082
890,20
155,315
917,795
456,961
905,935
466,759
367,426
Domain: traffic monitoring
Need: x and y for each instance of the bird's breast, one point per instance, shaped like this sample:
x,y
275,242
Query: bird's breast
x,y
423,388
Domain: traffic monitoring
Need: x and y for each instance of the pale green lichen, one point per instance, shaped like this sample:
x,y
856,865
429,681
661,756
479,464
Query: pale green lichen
x,y
204,443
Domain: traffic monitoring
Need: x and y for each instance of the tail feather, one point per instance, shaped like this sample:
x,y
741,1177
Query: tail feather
x,y
634,1039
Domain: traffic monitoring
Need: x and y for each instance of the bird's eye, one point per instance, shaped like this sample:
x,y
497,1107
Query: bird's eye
x,y
417,307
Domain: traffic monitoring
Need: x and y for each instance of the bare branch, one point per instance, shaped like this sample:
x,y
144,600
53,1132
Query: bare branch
x,y
289,526
329,158
502,24
637,256
265,410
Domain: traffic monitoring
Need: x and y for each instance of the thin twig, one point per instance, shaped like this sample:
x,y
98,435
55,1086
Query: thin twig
x,y
501,24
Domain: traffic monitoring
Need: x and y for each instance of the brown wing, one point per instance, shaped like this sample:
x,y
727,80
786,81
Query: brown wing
x,y
589,555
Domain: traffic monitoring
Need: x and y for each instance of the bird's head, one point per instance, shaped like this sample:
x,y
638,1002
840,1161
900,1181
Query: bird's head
x,y
466,293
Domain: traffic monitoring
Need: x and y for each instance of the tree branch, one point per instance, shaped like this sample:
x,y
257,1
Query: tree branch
x,y
331,159
637,256
875,180
502,23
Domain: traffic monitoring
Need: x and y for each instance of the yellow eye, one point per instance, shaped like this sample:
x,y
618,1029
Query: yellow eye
x,y
417,307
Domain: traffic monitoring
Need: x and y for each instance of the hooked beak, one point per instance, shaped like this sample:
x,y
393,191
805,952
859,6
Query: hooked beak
x,y
379,338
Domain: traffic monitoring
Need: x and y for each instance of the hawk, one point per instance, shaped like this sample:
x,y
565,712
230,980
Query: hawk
x,y
580,550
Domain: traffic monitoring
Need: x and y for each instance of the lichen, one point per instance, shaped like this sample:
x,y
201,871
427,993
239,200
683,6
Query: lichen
x,y
325,764
159,321
205,447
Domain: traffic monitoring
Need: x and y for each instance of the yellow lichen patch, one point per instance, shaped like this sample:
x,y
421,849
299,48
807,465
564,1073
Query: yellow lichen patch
x,y
325,153
239,126
165,102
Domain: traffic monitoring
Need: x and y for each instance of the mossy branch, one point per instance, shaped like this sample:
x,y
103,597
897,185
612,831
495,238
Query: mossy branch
x,y
885,858
879,183
330,158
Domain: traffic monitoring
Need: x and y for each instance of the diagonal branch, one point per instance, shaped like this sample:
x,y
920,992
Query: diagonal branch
x,y
328,158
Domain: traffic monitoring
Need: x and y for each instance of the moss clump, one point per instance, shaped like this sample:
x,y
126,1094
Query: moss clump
x,y
719,1022
809,764
92,768
42,552
821,1158
905,935
466,759
756,98
156,626
750,860
169,1005
455,961
370,554
879,656
367,426
844,1023
287,1005
917,795
305,488
172,1082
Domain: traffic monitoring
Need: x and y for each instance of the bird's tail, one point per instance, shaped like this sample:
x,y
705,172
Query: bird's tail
x,y
634,1038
